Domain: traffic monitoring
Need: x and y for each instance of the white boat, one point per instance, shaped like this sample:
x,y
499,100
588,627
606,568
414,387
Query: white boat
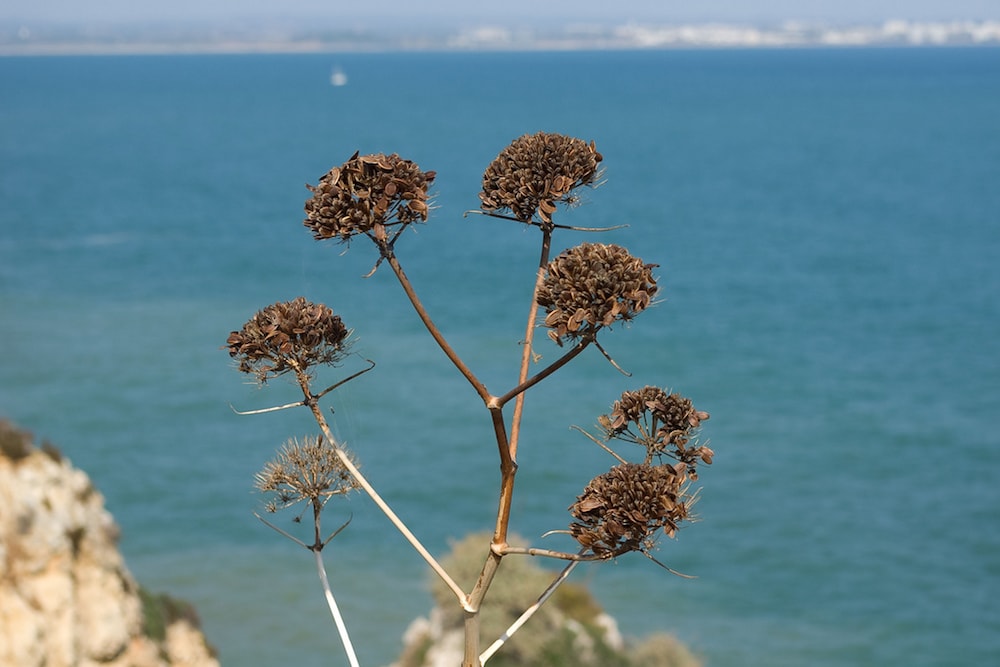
x,y
337,77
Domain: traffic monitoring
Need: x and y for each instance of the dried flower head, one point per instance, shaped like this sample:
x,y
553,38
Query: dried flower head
x,y
658,420
591,286
289,335
535,171
309,470
366,195
624,509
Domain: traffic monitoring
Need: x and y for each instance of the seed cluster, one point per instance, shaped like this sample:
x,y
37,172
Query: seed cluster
x,y
658,420
289,335
591,286
535,171
623,509
308,470
367,194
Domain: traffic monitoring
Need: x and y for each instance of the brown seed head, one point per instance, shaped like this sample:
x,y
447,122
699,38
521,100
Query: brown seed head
x,y
289,335
535,171
592,286
657,420
367,194
623,509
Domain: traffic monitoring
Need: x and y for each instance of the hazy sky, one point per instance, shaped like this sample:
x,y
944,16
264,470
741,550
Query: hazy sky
x,y
453,12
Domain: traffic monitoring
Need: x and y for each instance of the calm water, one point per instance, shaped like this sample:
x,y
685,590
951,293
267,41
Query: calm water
x,y
826,227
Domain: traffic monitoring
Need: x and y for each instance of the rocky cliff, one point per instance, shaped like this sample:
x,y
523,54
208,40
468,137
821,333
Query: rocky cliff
x,y
66,596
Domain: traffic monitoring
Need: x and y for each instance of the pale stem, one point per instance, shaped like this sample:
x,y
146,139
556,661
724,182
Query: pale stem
x,y
528,613
470,657
384,506
244,413
529,334
600,444
560,555
311,401
335,611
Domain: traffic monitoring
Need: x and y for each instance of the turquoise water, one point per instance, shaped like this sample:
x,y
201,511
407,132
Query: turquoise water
x,y
826,228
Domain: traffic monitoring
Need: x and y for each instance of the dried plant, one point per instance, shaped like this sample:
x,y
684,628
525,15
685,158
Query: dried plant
x,y
287,336
583,290
662,423
367,195
304,471
592,286
624,509
535,172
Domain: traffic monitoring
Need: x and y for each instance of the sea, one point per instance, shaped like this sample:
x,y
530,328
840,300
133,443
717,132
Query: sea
x,y
826,225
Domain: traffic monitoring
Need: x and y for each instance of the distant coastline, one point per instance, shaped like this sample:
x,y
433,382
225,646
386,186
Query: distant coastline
x,y
26,40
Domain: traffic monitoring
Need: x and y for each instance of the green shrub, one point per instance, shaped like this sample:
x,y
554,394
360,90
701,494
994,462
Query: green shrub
x,y
15,444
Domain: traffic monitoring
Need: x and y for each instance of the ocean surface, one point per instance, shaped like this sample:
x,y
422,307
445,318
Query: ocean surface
x,y
827,229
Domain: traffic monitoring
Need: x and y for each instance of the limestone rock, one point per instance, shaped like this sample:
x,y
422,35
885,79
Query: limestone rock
x,y
66,596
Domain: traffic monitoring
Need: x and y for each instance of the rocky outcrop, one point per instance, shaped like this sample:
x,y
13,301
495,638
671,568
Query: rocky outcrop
x,y
66,596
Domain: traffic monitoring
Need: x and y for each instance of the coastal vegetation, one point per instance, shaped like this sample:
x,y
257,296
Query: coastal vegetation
x,y
650,433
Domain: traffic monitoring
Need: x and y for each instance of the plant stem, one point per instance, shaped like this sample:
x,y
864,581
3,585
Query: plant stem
x,y
470,657
425,317
508,469
335,611
560,555
529,334
519,390
528,613
313,404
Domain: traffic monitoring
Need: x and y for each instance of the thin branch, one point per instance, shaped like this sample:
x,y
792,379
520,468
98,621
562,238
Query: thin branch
x,y
305,401
529,334
581,557
331,602
283,532
263,410
535,223
559,555
328,593
544,373
313,405
669,569
432,328
528,613
395,520
612,361
346,380
600,444
374,268
336,532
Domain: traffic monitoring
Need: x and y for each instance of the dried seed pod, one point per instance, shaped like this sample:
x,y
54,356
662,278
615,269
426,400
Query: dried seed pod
x,y
367,191
662,422
306,470
624,509
535,172
592,286
288,335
